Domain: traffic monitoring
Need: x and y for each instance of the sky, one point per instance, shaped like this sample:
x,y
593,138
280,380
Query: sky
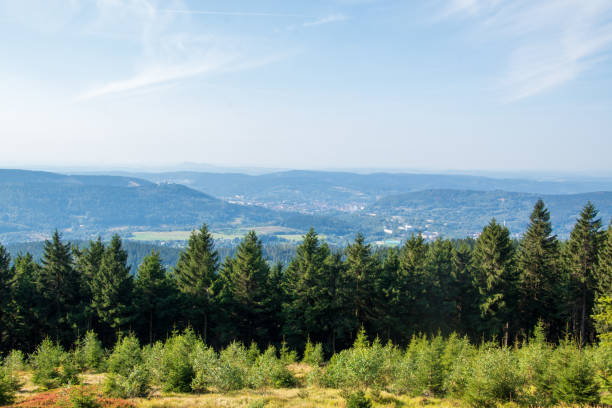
x,y
489,85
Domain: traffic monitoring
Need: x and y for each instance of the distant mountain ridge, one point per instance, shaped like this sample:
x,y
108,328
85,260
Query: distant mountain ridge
x,y
464,212
85,206
325,192
338,205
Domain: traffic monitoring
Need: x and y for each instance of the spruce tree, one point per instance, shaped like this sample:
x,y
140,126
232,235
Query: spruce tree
x,y
6,277
440,291
538,255
244,294
493,263
195,273
155,296
582,251
362,279
604,265
24,326
87,263
309,290
59,285
113,288
411,284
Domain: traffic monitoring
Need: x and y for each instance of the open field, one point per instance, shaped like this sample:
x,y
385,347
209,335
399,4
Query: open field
x,y
281,232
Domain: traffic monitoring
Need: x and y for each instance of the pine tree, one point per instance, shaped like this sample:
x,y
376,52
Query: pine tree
x,y
582,251
362,279
155,295
244,294
6,277
87,262
195,273
59,285
604,265
24,325
310,285
113,288
493,263
411,284
440,312
538,255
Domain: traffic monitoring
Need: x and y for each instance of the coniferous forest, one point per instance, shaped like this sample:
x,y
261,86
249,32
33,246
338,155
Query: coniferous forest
x,y
461,311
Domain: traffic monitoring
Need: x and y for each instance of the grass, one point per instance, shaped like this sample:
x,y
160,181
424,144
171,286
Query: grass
x,y
30,396
283,232
160,235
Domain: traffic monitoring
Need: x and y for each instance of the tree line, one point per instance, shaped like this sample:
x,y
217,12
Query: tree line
x,y
488,288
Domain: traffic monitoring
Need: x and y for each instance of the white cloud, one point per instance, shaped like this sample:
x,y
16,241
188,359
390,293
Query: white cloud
x,y
173,49
331,18
551,41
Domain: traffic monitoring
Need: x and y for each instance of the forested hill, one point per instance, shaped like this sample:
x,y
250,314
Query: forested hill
x,y
325,189
459,212
35,203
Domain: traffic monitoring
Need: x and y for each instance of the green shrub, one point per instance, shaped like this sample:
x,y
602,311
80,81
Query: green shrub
x,y
421,370
288,356
358,400
9,384
313,354
270,371
457,362
253,352
125,356
79,398
152,355
128,375
15,361
576,381
534,363
233,368
177,372
205,362
362,366
494,378
89,353
602,359
52,366
137,383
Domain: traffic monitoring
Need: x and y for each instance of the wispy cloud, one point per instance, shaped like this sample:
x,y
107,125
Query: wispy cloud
x,y
551,41
227,13
152,77
330,18
173,49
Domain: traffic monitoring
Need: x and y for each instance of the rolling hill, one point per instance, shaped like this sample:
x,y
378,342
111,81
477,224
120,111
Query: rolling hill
x,y
328,192
35,203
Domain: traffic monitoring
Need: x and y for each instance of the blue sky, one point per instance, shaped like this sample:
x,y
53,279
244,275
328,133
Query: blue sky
x,y
432,85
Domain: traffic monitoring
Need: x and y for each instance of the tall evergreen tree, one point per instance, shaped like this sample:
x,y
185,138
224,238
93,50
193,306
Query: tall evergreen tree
x,y
113,288
87,263
604,265
538,256
195,273
468,311
493,263
582,251
6,277
156,297
308,296
362,280
59,284
440,290
411,284
244,295
24,326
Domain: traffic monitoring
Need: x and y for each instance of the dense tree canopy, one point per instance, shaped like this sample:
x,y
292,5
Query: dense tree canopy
x,y
491,288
